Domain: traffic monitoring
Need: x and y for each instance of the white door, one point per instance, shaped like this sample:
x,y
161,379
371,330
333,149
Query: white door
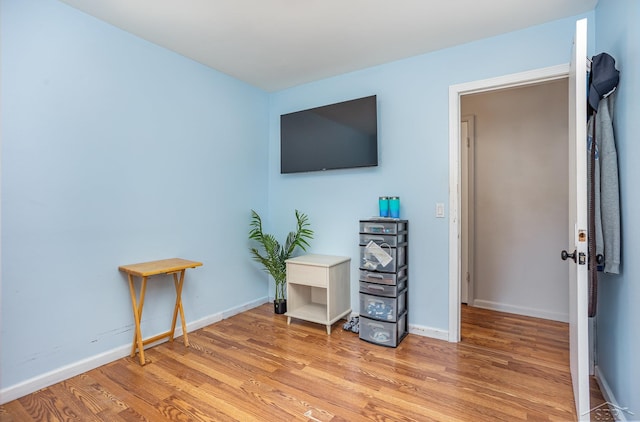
x,y
578,290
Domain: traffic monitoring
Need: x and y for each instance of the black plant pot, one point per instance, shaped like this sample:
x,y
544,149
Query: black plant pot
x,y
280,306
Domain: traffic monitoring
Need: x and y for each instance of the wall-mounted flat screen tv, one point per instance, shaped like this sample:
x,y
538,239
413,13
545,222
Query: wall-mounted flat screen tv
x,y
336,136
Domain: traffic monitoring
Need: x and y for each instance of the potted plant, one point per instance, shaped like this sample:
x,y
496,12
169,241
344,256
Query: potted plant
x,y
272,255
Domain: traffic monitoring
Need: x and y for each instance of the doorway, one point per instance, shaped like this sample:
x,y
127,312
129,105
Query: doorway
x,y
455,94
513,192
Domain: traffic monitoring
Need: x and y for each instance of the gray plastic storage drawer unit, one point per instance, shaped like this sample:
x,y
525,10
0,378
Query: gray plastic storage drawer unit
x,y
383,333
382,289
381,307
370,261
384,279
381,239
383,226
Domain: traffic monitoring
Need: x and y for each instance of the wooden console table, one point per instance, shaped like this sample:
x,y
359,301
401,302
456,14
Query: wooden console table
x,y
173,266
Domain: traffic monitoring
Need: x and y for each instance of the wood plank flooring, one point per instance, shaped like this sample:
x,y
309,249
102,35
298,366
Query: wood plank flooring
x,y
254,367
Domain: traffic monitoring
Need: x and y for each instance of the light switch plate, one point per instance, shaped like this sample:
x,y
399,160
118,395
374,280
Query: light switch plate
x,y
439,210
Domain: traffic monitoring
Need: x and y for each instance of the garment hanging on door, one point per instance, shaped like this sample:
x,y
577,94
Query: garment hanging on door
x,y
603,194
606,201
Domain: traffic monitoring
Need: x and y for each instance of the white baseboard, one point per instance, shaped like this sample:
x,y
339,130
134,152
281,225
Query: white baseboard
x,y
212,319
617,411
60,374
421,330
29,386
244,307
424,331
521,310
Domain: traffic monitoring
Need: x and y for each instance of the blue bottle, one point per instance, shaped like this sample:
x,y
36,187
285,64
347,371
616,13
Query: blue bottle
x,y
394,206
383,201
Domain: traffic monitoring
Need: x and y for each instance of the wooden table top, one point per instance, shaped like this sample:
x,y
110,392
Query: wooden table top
x,y
163,266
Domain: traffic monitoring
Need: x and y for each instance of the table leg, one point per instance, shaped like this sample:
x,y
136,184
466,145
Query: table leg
x,y
137,316
178,283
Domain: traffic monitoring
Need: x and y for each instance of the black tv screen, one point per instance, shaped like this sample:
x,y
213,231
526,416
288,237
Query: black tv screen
x,y
336,136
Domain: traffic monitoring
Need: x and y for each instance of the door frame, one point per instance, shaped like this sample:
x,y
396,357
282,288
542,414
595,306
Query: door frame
x,y
467,204
455,173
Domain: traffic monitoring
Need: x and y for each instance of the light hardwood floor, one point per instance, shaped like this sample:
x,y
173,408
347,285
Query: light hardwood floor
x,y
254,367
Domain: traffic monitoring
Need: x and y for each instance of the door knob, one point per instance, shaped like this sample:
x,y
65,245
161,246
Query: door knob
x,y
564,255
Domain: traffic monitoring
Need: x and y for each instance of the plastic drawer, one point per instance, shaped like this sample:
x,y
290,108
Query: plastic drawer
x,y
383,278
383,333
381,239
369,260
383,308
388,290
382,227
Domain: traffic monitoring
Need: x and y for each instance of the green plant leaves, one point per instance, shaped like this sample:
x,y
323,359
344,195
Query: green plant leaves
x,y
272,255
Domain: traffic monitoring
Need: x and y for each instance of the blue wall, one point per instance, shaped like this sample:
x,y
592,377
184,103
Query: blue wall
x,y
618,328
413,98
116,151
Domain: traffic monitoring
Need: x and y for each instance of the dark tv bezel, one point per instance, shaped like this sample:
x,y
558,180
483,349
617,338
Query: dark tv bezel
x,y
337,167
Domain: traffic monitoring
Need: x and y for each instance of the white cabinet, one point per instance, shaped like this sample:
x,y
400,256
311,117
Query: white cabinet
x,y
318,289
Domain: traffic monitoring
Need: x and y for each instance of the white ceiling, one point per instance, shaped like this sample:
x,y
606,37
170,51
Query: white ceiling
x,y
276,44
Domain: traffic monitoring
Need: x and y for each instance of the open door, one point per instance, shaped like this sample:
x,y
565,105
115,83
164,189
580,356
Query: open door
x,y
577,255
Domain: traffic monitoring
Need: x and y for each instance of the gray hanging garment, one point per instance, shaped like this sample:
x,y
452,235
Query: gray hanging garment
x,y
604,206
606,183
